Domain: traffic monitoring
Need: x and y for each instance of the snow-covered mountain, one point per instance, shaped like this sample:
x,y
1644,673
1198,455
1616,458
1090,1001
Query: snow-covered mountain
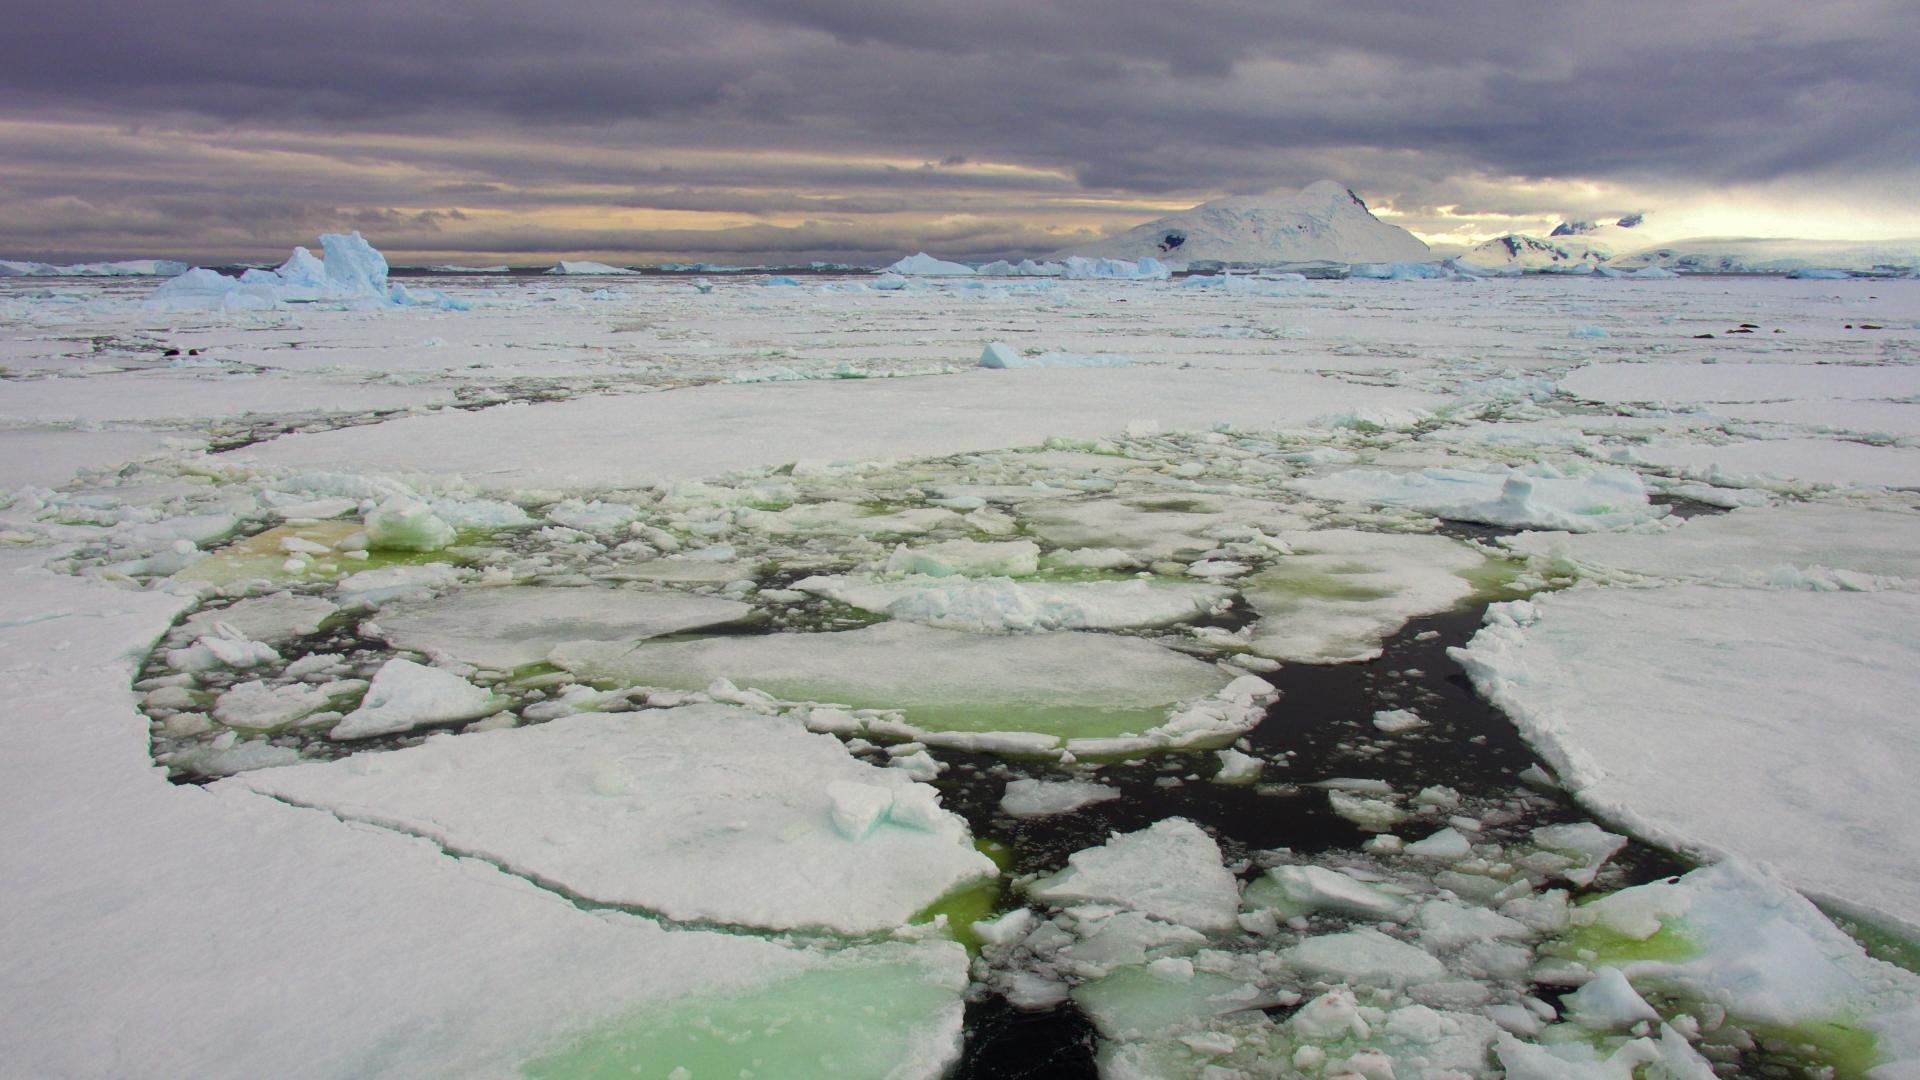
x,y
1323,221
1747,255
1571,246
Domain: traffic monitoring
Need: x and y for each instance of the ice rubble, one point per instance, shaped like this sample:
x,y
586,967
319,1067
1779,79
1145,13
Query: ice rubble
x,y
352,273
513,626
1436,980
1535,497
1690,712
705,814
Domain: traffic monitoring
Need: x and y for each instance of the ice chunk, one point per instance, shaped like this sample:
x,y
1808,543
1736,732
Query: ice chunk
x,y
255,706
1066,683
1447,845
1373,815
1170,870
1590,842
1317,888
405,695
407,525
705,813
1397,721
1608,1001
275,619
1026,798
972,558
1362,956
513,626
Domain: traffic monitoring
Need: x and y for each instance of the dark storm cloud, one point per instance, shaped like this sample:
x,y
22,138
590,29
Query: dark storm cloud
x,y
1141,99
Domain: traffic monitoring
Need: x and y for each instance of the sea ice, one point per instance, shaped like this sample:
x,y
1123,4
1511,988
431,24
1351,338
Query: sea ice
x,y
1064,683
1340,593
706,813
513,626
1689,713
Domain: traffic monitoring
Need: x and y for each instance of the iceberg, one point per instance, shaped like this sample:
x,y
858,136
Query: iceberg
x,y
925,265
352,274
1006,357
585,267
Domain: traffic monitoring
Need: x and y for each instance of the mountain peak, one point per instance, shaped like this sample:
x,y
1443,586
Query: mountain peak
x,y
1325,220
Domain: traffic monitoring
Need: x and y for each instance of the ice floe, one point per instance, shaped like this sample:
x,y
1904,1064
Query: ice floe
x,y
706,813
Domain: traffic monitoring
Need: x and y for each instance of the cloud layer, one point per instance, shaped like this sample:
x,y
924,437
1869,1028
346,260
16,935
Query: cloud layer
x,y
857,128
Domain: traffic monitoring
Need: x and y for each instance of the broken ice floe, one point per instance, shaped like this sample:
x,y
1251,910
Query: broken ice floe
x,y
706,814
1089,692
514,626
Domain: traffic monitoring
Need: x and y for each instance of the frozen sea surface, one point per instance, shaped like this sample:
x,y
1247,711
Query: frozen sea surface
x,y
767,688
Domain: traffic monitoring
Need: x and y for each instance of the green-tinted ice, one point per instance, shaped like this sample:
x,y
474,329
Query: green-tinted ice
x,y
838,1023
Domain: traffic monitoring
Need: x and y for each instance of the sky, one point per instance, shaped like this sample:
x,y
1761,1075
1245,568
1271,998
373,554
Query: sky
x,y
482,131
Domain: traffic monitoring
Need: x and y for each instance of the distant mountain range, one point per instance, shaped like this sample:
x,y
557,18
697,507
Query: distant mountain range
x,y
1327,222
